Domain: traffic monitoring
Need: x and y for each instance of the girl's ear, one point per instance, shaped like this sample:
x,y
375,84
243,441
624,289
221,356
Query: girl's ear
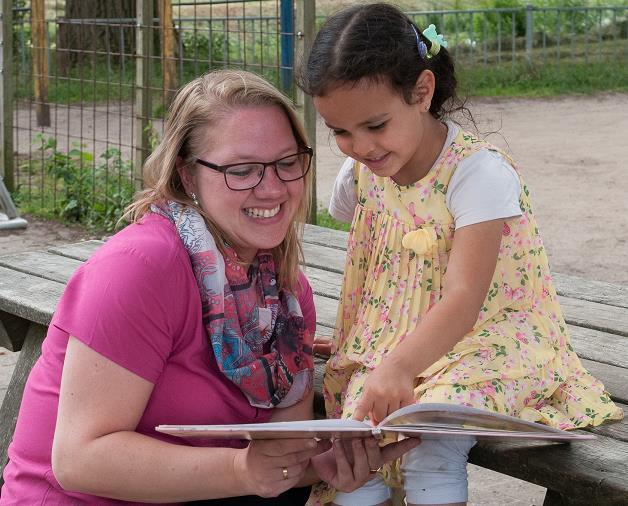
x,y
424,90
185,175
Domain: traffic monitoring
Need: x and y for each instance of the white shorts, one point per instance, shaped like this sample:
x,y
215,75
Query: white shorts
x,y
435,472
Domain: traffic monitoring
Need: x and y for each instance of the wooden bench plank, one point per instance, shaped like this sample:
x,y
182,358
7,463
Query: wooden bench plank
x,y
594,315
325,236
27,296
615,378
595,291
79,250
592,470
42,264
325,258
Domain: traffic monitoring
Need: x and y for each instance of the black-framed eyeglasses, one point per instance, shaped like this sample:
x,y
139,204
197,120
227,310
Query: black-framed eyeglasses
x,y
247,175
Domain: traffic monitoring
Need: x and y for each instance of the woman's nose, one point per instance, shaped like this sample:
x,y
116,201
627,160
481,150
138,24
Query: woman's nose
x,y
270,183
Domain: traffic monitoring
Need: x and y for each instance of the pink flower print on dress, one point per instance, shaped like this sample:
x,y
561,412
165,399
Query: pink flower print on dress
x,y
488,390
485,354
520,336
506,229
418,221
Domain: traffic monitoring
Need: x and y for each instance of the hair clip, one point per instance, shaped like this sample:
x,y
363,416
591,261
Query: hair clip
x,y
419,43
435,38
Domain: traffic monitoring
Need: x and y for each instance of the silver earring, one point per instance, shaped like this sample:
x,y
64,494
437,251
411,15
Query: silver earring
x,y
194,199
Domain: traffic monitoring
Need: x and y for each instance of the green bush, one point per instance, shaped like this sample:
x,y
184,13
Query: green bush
x,y
74,187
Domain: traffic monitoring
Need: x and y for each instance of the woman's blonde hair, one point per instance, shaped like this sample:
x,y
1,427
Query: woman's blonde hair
x,y
197,108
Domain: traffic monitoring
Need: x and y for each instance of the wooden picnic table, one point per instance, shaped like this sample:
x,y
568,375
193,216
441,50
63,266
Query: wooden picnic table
x,y
587,472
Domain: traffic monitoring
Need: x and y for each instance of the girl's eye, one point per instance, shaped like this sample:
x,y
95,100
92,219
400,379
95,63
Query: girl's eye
x,y
336,133
377,127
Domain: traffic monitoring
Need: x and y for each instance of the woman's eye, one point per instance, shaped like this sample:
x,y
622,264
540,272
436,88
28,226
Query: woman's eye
x,y
336,133
377,127
243,170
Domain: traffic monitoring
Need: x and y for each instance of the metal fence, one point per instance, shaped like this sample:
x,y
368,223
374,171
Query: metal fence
x,y
85,98
540,35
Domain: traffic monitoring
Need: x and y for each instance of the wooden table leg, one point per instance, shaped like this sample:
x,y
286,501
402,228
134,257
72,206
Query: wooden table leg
x,y
31,350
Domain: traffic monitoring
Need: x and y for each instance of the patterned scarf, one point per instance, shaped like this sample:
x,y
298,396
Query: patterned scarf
x,y
266,351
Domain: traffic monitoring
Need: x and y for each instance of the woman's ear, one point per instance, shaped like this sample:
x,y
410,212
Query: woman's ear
x,y
185,174
424,90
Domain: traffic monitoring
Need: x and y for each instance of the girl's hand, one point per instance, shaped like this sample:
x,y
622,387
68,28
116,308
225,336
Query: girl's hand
x,y
388,388
270,467
350,463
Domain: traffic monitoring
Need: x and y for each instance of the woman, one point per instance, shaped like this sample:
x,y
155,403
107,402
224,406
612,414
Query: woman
x,y
195,313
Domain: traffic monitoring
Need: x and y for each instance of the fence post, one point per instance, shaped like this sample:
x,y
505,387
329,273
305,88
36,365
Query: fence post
x,y
168,64
286,31
143,55
6,93
305,30
529,32
40,61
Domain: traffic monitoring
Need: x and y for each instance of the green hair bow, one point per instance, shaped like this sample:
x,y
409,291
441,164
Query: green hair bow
x,y
435,38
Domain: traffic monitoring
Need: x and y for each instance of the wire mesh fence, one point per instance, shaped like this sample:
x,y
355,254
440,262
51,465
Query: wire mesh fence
x,y
91,81
543,35
92,87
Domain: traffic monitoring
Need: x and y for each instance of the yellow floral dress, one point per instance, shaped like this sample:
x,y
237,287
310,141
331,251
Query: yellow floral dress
x,y
518,358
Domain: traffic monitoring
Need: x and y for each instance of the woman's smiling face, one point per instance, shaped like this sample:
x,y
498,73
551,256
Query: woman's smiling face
x,y
257,218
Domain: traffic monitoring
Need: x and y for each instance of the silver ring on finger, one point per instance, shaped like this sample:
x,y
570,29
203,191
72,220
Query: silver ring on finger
x,y
284,472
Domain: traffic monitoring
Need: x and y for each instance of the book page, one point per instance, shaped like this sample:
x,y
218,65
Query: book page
x,y
438,420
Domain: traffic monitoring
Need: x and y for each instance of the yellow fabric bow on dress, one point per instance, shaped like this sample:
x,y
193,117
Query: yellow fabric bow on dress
x,y
420,241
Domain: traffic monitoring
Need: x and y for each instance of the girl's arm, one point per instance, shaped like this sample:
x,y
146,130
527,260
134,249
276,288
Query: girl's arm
x,y
469,272
97,451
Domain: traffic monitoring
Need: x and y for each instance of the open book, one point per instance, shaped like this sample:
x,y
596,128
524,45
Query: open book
x,y
418,420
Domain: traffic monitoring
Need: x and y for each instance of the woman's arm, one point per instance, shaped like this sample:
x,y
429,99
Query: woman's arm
x,y
471,265
97,451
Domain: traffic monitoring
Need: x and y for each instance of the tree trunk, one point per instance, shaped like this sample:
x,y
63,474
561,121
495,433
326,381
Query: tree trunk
x,y
115,34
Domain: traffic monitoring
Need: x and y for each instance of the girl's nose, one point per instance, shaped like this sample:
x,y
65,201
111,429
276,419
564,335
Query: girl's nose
x,y
362,145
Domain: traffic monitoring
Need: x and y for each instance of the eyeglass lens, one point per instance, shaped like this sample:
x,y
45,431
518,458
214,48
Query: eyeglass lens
x,y
247,175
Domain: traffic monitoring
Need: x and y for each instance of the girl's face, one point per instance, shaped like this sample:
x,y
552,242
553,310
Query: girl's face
x,y
373,124
257,218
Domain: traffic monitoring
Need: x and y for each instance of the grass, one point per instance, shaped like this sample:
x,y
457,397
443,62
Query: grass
x,y
544,81
324,219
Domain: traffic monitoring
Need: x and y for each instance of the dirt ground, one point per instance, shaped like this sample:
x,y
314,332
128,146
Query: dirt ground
x,y
573,152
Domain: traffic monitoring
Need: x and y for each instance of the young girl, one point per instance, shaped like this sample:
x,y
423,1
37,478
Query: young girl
x,y
447,294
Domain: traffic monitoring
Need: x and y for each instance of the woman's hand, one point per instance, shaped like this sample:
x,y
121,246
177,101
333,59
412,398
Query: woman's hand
x,y
322,346
270,467
350,463
387,388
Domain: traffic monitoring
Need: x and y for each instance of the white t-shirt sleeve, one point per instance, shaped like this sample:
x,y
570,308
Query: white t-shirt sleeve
x,y
344,198
484,187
